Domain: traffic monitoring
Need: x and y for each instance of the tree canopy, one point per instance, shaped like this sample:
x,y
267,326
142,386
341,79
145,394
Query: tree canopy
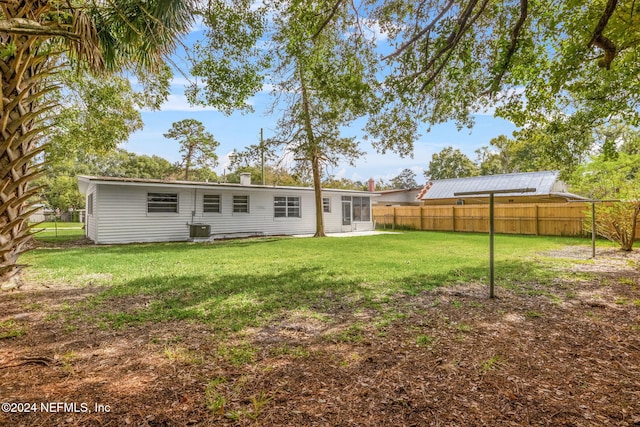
x,y
59,185
321,67
450,163
557,69
607,177
405,180
197,146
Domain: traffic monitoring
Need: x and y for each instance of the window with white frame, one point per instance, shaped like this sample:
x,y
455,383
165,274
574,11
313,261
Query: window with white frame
x,y
211,203
241,204
162,202
326,204
286,207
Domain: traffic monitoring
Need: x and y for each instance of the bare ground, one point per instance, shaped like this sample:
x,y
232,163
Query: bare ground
x,y
565,354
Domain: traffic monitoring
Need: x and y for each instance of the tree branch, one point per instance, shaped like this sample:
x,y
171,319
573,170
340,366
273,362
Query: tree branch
x,y
599,40
515,34
334,10
421,33
465,22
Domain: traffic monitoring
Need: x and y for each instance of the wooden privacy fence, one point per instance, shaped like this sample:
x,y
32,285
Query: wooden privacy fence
x,y
546,219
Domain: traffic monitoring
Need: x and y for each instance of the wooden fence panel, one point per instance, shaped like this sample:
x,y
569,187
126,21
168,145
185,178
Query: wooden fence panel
x,y
548,219
409,217
471,218
437,218
552,219
562,219
383,216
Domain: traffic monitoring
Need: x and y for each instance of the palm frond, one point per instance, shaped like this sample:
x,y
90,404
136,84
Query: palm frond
x,y
140,34
87,48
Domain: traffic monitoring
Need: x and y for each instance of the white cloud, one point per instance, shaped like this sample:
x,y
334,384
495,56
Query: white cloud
x,y
377,33
355,176
198,25
339,174
268,88
224,164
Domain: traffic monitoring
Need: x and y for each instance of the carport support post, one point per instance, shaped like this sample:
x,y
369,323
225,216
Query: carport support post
x,y
491,192
593,219
491,245
593,229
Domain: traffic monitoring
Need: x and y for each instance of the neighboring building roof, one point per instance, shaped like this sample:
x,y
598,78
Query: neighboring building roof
x,y
546,183
399,190
83,182
399,197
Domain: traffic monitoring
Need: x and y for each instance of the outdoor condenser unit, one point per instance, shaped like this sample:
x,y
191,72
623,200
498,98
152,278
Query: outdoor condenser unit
x,y
199,230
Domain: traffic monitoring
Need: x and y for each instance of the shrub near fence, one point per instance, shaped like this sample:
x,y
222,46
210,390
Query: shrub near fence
x,y
545,219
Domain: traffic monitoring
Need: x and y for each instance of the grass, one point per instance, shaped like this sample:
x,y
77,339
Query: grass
x,y
493,362
59,225
182,355
354,334
239,355
424,340
10,329
531,314
58,232
214,399
243,283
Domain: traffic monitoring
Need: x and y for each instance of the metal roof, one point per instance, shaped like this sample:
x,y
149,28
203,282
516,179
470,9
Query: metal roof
x,y
545,183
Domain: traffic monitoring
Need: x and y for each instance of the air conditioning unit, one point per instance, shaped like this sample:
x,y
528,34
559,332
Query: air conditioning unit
x,y
199,230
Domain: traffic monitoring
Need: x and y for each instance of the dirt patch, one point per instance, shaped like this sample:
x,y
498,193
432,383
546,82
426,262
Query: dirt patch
x,y
562,354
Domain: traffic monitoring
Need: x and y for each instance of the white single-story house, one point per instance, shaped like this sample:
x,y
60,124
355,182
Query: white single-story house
x,y
125,210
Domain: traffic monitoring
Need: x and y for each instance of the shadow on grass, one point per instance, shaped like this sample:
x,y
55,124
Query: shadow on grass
x,y
232,302
165,247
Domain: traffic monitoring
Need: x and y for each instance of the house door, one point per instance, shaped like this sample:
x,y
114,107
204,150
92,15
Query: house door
x,y
346,215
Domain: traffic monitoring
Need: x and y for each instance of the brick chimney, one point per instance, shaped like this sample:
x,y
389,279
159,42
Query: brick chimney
x,y
372,185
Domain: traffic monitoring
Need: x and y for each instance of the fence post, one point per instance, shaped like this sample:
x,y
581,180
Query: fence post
x,y
453,218
537,221
393,224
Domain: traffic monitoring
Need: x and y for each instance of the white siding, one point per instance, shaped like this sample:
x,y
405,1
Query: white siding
x,y
333,219
120,213
91,229
260,219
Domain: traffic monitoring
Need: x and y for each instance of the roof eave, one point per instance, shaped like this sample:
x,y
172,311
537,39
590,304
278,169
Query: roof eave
x,y
84,182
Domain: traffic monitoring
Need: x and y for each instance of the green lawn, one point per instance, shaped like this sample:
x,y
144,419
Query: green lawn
x,y
235,284
59,225
58,232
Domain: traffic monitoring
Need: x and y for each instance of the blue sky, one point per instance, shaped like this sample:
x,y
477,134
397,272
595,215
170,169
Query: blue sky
x,y
240,130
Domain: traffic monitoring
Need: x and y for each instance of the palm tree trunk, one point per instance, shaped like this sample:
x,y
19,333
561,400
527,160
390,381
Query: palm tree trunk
x,y
35,35
23,75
